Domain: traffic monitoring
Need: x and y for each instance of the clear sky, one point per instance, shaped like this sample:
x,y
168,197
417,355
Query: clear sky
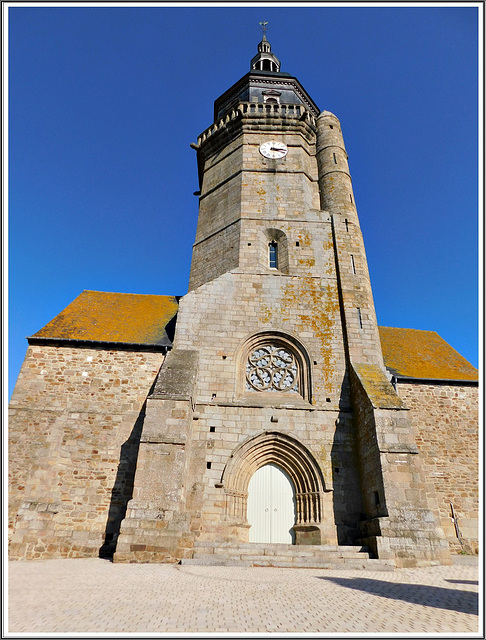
x,y
105,101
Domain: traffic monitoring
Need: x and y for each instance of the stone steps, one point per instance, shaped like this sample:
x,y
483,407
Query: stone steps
x,y
285,555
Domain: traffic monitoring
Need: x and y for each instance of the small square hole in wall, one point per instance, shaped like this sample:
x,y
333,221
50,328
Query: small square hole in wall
x,y
297,244
208,465
328,399
376,496
315,361
224,357
336,469
212,429
249,244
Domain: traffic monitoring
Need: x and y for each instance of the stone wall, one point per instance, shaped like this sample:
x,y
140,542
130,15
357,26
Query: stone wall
x,y
223,246
74,424
239,184
220,430
400,522
218,318
445,418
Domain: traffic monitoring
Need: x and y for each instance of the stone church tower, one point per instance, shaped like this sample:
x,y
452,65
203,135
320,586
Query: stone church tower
x,y
273,418
276,358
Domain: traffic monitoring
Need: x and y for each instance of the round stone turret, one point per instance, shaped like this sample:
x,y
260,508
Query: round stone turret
x,y
336,194
335,184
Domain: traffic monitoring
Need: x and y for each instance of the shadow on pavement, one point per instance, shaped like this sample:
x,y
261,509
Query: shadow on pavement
x,y
429,596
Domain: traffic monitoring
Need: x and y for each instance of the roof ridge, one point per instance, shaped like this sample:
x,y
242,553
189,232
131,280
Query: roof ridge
x,y
124,293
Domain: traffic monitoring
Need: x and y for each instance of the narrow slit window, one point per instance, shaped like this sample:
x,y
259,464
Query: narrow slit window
x,y
352,264
359,318
346,223
351,197
273,255
335,160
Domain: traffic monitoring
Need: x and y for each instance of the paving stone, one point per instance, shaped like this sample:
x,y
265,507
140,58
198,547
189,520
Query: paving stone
x,y
87,596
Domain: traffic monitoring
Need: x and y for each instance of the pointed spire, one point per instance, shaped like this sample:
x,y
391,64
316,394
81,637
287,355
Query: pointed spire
x,y
265,60
264,46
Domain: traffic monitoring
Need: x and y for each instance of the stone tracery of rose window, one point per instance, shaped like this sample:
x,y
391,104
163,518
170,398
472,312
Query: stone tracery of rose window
x,y
271,368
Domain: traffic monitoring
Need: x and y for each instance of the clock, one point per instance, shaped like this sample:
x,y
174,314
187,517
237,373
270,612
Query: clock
x,y
273,149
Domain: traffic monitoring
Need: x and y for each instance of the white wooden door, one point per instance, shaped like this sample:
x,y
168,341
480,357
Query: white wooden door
x,y
271,505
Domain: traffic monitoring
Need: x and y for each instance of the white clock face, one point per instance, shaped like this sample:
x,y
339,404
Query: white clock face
x,y
273,149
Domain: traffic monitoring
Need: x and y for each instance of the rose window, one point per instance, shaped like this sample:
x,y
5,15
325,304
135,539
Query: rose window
x,y
271,368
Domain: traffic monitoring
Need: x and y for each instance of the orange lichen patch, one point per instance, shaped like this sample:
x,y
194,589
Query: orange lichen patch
x,y
378,388
305,239
113,317
414,353
315,309
328,245
306,262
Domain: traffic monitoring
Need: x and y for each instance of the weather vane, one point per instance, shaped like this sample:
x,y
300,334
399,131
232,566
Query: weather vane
x,y
264,26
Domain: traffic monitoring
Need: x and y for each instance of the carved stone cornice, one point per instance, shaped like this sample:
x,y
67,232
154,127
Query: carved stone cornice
x,y
251,116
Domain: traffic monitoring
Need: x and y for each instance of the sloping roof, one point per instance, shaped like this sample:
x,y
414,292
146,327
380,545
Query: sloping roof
x,y
126,318
377,387
414,353
149,320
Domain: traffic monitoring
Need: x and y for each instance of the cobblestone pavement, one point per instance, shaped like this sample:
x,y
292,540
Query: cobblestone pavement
x,y
94,596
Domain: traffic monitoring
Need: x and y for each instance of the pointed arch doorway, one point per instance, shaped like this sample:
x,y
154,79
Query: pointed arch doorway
x,y
271,509
314,519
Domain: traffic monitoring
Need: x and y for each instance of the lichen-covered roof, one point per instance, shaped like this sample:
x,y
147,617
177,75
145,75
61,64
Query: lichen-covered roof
x,y
413,353
126,318
377,387
143,319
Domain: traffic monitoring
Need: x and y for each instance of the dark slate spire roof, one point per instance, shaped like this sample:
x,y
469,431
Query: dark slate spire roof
x,y
264,83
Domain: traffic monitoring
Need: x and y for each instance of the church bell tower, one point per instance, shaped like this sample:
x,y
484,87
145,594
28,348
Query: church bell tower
x,y
276,375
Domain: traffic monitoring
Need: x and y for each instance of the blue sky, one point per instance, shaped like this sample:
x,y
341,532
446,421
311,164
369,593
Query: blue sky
x,y
105,101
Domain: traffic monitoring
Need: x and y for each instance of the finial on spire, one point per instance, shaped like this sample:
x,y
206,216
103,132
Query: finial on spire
x,y
265,60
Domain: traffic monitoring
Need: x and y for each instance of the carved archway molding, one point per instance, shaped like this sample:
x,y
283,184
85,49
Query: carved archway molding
x,y
291,456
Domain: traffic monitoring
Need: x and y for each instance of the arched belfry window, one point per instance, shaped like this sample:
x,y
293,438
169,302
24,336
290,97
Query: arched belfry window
x,y
276,250
273,255
275,363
